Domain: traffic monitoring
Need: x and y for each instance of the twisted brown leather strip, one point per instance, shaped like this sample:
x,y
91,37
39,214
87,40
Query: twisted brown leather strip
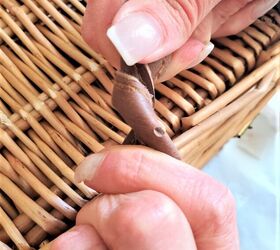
x,y
133,98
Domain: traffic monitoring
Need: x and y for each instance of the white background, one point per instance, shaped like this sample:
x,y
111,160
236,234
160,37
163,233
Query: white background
x,y
250,167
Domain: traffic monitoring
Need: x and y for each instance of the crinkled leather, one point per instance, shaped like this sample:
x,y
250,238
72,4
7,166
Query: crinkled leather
x,y
133,97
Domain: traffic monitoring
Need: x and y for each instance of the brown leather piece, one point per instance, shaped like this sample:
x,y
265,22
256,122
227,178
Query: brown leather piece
x,y
133,98
143,73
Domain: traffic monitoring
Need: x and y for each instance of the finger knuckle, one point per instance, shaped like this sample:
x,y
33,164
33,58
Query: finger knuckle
x,y
132,167
141,222
223,208
188,12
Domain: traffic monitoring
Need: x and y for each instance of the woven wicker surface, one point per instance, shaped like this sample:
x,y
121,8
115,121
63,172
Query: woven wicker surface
x,y
55,109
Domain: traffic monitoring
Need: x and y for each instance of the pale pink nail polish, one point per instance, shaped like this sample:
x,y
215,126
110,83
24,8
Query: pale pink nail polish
x,y
203,54
136,36
86,170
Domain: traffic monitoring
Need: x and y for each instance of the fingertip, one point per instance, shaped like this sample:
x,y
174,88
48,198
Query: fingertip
x,y
244,17
87,30
97,19
102,163
127,32
147,31
66,240
139,220
125,167
187,56
80,237
208,48
86,170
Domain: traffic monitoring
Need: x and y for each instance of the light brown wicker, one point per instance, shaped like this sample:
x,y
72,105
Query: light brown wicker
x,y
55,109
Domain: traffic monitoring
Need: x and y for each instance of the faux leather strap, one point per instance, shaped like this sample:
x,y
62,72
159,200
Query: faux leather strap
x,y
133,97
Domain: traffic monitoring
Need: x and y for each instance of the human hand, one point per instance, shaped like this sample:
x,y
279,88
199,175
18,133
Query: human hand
x,y
147,30
150,201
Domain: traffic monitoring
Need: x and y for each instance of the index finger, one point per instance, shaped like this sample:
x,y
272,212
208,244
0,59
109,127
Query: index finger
x,y
208,205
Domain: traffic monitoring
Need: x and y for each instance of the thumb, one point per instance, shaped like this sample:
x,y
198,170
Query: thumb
x,y
148,30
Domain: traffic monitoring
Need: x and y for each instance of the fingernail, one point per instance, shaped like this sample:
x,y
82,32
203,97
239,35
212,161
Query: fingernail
x,y
87,169
203,54
136,36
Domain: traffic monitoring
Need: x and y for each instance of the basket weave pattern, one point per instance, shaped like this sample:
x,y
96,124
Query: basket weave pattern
x,y
55,109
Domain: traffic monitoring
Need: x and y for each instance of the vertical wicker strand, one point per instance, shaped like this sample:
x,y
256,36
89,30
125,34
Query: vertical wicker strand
x,y
34,124
4,108
12,231
41,189
7,62
60,82
5,85
59,18
8,142
81,43
30,144
54,94
115,121
38,105
71,13
67,147
49,223
59,182
24,58
23,37
82,59
76,77
78,5
9,209
45,19
28,24
7,170
65,170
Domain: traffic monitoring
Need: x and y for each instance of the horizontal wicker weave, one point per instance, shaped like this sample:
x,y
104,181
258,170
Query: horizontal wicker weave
x,y
55,109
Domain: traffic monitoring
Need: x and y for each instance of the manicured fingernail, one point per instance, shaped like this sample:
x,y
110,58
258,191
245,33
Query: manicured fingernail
x,y
136,36
203,54
86,170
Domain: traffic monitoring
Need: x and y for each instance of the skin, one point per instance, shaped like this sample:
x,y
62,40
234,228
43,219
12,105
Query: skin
x,y
151,201
187,25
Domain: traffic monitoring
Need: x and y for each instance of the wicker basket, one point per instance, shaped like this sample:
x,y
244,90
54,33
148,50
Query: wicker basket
x,y
55,109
